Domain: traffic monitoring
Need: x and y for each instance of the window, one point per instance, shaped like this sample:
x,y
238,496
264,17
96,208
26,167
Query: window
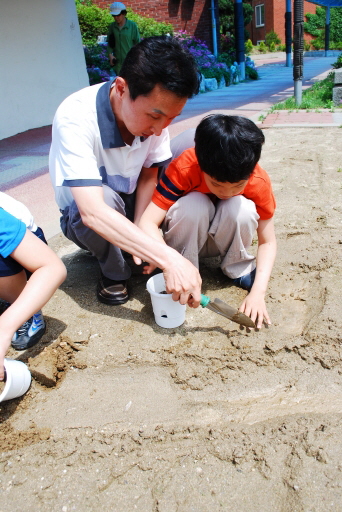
x,y
259,15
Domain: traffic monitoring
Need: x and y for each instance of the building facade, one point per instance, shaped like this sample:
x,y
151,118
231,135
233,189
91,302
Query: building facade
x,y
41,61
269,15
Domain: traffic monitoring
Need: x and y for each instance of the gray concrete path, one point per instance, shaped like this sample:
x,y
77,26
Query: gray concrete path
x,y
24,157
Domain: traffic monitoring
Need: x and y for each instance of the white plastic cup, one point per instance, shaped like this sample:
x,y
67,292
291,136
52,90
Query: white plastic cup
x,y
18,379
167,312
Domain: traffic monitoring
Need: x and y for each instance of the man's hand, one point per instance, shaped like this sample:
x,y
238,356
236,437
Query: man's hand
x,y
183,280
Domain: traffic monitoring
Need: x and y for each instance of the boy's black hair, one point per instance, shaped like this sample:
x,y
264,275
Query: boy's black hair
x,y
160,60
228,147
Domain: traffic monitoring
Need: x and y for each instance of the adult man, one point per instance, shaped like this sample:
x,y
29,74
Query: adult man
x,y
108,141
122,35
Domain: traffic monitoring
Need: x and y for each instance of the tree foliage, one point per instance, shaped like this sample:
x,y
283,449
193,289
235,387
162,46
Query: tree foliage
x,y
226,13
315,24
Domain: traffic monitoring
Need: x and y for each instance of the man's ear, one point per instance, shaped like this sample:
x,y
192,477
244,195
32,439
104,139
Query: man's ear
x,y
121,86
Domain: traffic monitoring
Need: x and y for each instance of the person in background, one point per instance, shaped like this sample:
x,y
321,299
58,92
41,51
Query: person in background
x,y
21,250
122,35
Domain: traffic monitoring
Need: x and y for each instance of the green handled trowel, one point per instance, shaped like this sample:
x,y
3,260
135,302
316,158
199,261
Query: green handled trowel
x,y
221,308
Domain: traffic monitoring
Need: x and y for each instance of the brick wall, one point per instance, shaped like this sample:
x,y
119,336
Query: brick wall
x,y
275,19
193,16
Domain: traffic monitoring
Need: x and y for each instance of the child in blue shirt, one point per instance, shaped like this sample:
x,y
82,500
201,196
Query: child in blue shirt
x,y
20,250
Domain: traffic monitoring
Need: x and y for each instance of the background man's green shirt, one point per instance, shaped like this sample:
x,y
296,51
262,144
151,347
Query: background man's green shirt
x,y
125,38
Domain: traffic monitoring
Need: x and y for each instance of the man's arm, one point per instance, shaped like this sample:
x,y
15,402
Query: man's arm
x,y
254,304
182,278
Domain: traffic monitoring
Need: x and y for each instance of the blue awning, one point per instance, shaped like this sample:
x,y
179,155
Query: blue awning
x,y
327,3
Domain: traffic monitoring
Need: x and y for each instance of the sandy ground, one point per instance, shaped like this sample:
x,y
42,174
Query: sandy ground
x,y
123,415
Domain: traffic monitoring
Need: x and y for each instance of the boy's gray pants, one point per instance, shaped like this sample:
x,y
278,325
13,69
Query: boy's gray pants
x,y
197,228
110,257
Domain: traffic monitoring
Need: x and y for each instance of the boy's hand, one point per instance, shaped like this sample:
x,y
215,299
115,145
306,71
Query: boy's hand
x,y
148,267
3,351
254,306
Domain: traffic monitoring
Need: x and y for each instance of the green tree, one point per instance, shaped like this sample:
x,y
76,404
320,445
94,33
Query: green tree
x,y
226,13
315,24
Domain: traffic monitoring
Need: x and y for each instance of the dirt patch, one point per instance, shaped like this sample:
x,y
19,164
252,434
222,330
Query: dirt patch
x,y
124,415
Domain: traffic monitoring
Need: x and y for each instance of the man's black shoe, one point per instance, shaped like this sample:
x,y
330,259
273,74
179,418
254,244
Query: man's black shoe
x,y
112,292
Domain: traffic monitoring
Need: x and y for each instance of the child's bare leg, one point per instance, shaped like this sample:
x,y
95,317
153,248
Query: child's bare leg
x,y
12,286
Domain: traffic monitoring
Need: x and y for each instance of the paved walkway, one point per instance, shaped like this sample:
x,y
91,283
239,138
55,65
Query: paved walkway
x,y
24,157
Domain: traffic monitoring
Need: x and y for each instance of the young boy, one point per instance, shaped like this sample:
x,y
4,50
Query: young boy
x,y
212,199
21,250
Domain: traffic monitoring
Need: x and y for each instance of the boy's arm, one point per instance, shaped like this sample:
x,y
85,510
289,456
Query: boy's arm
x,y
254,304
146,184
48,272
149,222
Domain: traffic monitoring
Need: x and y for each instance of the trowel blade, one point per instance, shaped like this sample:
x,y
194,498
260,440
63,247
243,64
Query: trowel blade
x,y
221,308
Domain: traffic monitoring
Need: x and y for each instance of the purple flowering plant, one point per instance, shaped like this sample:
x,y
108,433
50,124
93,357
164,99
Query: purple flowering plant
x,y
97,62
207,63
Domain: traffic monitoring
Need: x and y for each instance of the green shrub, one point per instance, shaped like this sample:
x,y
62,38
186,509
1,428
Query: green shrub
x,y
272,37
248,47
149,27
216,73
251,73
317,44
315,24
226,58
262,48
93,22
307,46
281,48
338,63
272,47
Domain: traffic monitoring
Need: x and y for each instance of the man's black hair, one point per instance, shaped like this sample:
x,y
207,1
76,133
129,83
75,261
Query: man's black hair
x,y
160,60
228,147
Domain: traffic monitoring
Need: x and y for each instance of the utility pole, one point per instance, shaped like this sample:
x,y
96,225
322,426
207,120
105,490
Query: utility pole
x,y
298,43
288,32
213,27
240,37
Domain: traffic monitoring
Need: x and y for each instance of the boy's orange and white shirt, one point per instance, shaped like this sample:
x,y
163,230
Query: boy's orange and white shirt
x,y
184,175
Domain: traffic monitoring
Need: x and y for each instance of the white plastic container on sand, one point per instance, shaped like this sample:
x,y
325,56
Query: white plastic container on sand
x,y
167,312
18,379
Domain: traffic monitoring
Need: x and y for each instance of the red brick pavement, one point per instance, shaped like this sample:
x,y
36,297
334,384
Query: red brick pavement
x,y
301,118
